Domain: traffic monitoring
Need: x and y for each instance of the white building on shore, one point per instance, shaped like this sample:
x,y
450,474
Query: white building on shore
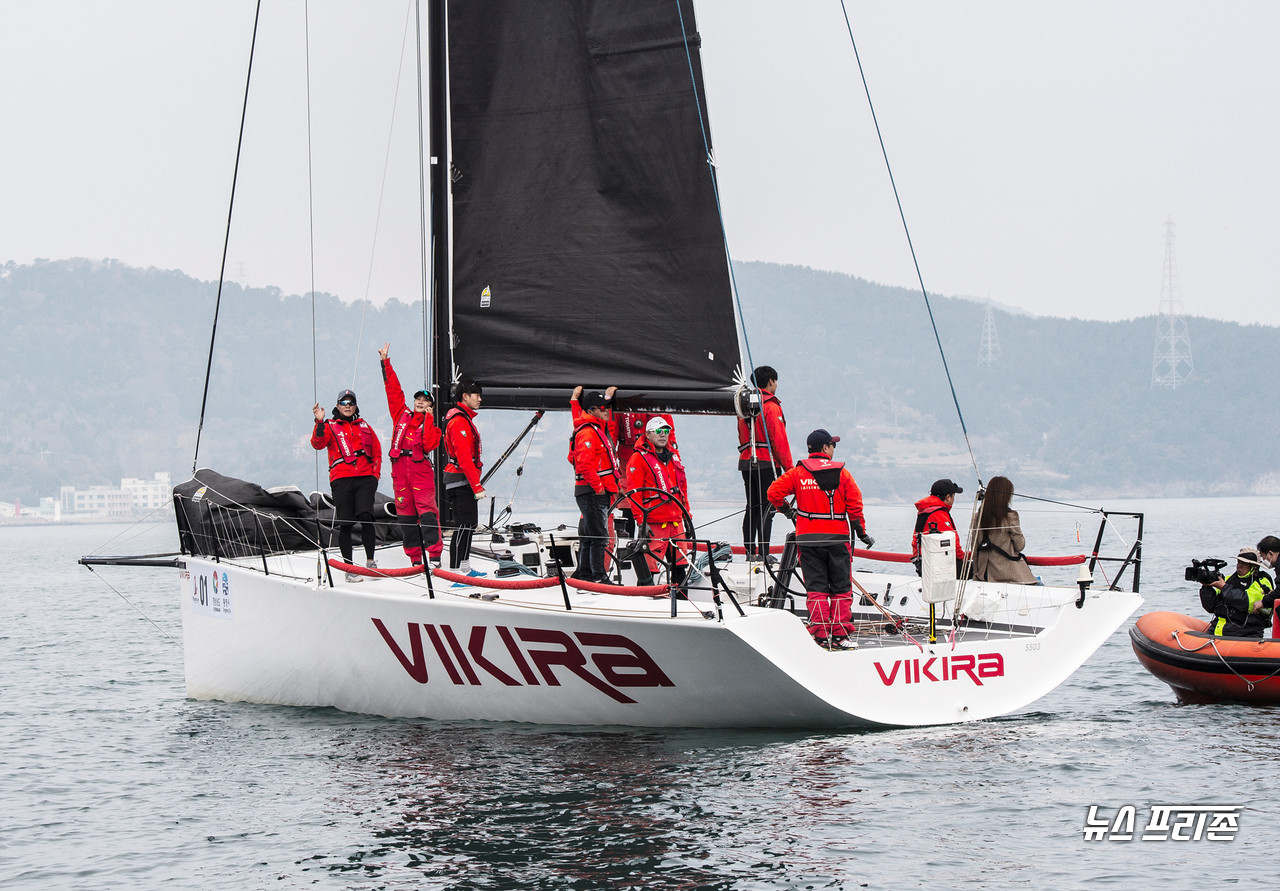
x,y
133,497
148,495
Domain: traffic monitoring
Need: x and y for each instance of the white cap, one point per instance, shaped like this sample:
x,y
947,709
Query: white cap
x,y
655,422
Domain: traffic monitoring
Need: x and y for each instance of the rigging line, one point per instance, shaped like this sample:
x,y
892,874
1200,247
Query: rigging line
x,y
907,231
382,191
133,527
520,470
422,206
311,222
1092,510
226,239
135,608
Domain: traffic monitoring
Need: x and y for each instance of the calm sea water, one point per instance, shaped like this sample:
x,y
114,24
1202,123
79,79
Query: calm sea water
x,y
109,777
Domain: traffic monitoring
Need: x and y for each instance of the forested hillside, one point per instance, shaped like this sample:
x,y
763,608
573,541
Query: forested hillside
x,y
104,366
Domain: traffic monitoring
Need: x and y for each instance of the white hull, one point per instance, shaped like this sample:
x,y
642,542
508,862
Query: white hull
x,y
611,660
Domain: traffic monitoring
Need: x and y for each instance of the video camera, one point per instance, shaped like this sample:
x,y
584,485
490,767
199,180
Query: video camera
x,y
1205,572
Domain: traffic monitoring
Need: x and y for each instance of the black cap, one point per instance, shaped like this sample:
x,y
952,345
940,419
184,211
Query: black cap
x,y
593,399
468,385
818,438
424,394
347,394
943,488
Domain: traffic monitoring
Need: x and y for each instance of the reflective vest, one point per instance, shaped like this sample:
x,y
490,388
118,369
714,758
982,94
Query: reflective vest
x,y
1236,605
820,511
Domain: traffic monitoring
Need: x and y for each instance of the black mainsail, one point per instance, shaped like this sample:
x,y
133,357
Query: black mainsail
x,y
586,242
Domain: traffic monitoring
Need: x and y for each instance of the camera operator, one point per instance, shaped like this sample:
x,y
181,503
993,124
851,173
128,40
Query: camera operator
x,y
1237,601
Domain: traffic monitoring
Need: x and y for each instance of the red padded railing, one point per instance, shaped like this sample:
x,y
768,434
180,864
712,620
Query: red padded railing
x,y
524,583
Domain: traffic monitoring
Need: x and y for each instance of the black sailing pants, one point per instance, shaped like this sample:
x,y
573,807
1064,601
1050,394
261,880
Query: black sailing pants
x,y
464,516
352,503
593,535
757,522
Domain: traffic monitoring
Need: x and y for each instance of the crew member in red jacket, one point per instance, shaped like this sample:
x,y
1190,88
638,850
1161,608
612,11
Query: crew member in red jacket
x,y
763,454
654,465
933,514
596,480
414,436
462,487
828,510
355,463
628,429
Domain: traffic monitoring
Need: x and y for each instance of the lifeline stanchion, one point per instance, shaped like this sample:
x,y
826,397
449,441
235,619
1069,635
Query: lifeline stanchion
x,y
718,580
564,589
426,560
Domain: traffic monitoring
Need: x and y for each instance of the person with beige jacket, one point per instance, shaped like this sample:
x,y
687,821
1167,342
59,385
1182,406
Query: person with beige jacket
x,y
998,556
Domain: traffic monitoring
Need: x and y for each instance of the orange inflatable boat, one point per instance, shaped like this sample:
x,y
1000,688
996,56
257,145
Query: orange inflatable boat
x,y
1199,667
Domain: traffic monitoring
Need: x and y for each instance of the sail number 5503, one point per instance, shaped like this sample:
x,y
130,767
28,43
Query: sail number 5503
x,y
1033,646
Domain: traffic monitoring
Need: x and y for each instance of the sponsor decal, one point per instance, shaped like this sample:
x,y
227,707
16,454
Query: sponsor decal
x,y
975,669
211,593
525,657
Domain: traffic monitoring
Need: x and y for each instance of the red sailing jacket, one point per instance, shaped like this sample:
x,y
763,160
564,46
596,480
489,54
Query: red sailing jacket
x,y
627,429
591,453
933,515
462,445
646,470
414,435
354,449
771,420
825,515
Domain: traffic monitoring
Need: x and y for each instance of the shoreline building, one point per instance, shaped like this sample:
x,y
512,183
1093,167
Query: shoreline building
x,y
133,496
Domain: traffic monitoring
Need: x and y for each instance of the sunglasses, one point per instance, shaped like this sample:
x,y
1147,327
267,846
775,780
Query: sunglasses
x,y
346,402
661,430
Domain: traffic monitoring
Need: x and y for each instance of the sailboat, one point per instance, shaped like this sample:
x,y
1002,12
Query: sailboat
x,y
576,237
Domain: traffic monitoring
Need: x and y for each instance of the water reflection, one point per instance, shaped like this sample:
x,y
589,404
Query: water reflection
x,y
491,808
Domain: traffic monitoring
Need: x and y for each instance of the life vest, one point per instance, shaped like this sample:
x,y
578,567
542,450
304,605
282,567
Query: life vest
x,y
457,412
926,509
821,504
667,476
606,445
403,425
348,453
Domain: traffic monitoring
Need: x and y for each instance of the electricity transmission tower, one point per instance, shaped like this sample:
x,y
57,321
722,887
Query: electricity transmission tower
x,y
989,349
1171,365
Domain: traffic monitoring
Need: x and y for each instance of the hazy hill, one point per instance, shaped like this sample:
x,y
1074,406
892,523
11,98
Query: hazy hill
x,y
104,366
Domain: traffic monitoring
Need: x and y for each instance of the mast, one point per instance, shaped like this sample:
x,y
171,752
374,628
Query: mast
x,y
437,106
437,99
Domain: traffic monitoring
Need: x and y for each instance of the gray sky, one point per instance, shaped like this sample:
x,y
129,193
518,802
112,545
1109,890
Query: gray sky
x,y
1038,146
